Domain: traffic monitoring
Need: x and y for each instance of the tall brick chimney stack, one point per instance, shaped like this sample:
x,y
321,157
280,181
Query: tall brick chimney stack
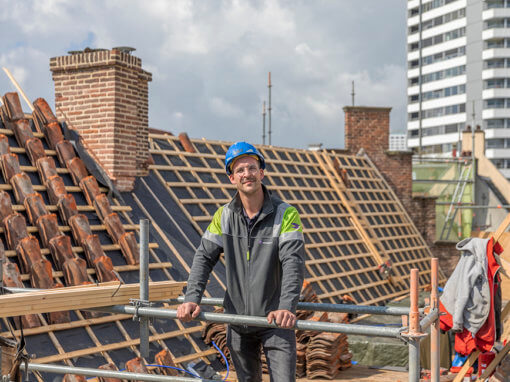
x,y
369,128
104,96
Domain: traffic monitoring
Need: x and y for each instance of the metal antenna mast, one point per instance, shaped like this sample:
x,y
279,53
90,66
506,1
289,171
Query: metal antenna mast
x,y
352,93
264,123
269,108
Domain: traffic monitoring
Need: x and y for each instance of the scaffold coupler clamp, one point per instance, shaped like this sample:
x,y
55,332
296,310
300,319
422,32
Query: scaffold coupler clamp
x,y
385,269
137,303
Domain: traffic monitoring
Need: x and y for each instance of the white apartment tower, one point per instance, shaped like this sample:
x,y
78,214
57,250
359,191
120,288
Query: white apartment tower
x,y
458,54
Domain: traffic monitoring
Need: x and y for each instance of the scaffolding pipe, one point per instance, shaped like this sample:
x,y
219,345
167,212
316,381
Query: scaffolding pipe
x,y
414,330
320,307
470,205
144,285
434,329
90,372
235,319
448,181
429,319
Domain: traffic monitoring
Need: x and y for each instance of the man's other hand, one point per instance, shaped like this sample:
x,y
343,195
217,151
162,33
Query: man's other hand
x,y
283,318
187,311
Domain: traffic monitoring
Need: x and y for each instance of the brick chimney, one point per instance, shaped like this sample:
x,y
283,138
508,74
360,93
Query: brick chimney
x,y
104,96
369,128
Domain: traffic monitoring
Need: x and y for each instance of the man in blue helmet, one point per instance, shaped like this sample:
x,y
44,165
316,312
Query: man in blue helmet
x,y
262,239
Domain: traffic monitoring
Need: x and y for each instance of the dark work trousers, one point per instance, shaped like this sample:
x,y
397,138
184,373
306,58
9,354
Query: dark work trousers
x,y
279,346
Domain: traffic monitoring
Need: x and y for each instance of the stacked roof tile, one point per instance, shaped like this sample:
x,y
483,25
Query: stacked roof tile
x,y
60,229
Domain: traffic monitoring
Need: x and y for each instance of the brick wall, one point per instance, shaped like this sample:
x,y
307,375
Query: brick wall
x,y
448,256
103,94
423,213
369,128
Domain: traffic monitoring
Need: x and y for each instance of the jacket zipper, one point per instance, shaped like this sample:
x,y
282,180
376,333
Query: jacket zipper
x,y
247,278
248,258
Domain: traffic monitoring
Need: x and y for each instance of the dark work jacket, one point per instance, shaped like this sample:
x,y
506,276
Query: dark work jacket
x,y
264,267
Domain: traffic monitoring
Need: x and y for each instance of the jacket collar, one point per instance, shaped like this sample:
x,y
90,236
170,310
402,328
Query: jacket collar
x,y
267,207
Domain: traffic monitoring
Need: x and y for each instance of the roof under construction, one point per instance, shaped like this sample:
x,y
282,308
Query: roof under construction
x,y
360,241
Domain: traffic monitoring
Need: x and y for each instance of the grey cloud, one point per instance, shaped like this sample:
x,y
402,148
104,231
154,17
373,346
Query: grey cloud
x,y
210,59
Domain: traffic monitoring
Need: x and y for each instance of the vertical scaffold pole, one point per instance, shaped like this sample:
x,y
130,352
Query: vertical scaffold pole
x,y
434,329
414,329
144,285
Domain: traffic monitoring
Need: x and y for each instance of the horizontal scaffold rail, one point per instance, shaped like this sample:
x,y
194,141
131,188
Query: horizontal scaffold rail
x,y
450,181
235,319
123,375
323,307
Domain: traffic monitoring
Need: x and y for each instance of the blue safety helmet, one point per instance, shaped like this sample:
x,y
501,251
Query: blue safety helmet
x,y
242,148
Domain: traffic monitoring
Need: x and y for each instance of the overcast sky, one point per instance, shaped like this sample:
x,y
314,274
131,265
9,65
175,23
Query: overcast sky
x,y
210,59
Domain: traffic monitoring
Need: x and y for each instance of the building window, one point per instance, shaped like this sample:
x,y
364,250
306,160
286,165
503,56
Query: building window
x,y
442,56
495,23
413,29
495,43
414,116
414,98
446,110
498,143
496,63
495,103
413,133
451,72
452,128
489,4
446,92
495,83
499,123
438,39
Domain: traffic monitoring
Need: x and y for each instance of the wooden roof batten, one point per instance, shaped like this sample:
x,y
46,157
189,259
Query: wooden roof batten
x,y
320,200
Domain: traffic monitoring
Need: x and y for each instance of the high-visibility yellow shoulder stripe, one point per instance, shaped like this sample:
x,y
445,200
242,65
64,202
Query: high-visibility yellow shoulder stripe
x,y
291,221
215,226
